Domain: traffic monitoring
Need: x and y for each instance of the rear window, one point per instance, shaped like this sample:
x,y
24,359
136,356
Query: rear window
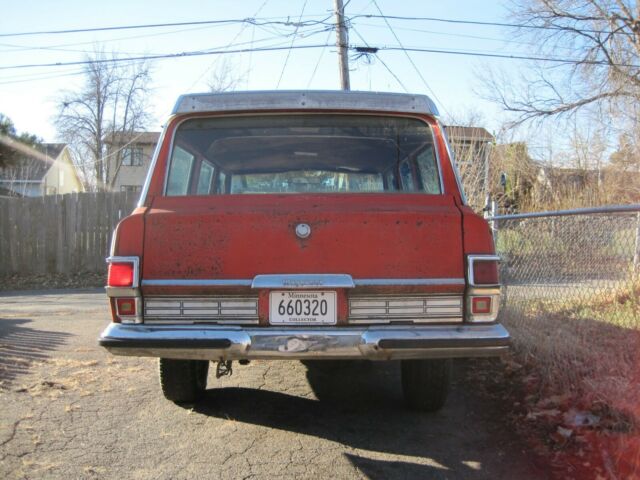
x,y
302,154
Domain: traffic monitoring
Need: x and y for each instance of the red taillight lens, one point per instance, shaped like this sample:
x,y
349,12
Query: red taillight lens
x,y
120,275
480,305
126,306
485,272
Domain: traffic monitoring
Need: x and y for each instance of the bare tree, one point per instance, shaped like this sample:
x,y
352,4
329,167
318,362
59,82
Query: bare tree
x,y
599,42
224,78
112,101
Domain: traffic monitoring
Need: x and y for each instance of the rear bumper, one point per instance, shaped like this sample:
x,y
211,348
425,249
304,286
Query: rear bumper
x,y
375,342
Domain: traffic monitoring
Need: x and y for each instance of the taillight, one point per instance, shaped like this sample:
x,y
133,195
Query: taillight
x,y
123,282
483,290
120,275
126,306
480,305
483,270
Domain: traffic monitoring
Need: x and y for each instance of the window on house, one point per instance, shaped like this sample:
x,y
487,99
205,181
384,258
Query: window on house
x,y
130,188
132,156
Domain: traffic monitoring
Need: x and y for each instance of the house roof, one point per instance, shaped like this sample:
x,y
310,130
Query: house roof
x,y
456,132
139,138
33,167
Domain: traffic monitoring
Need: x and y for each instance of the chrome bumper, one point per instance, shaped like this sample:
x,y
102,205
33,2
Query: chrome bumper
x,y
235,343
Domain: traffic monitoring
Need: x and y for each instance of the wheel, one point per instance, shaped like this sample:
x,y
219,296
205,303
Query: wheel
x,y
183,380
425,383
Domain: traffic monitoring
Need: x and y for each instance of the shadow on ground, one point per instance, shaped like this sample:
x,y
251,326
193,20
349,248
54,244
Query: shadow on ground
x,y
359,405
20,346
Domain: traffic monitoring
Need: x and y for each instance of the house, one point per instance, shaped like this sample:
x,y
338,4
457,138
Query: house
x,y
48,170
470,144
471,147
129,157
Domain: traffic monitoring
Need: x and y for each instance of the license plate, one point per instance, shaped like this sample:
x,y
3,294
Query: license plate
x,y
302,308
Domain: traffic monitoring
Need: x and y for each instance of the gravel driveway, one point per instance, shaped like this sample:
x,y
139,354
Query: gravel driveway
x,y
70,410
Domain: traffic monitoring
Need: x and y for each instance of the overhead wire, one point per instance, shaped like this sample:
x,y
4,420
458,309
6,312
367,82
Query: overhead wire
x,y
161,56
382,61
231,43
252,21
481,23
315,69
415,67
293,39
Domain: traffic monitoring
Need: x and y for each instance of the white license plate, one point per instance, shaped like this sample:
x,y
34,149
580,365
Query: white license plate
x,y
302,307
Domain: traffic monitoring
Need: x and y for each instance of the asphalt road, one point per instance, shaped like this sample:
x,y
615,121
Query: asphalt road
x,y
71,410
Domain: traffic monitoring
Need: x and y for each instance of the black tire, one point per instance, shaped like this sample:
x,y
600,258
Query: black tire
x,y
183,381
425,383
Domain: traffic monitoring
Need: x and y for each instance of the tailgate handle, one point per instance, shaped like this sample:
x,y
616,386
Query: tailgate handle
x,y
304,280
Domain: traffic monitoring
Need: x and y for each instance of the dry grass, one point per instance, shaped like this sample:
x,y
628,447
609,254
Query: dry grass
x,y
588,348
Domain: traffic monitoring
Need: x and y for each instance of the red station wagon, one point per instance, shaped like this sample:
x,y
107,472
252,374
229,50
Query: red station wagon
x,y
304,225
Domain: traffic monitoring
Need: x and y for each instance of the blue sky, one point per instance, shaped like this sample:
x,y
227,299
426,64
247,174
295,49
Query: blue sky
x,y
28,96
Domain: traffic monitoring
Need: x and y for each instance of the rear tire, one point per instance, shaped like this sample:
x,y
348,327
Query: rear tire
x,y
425,383
183,381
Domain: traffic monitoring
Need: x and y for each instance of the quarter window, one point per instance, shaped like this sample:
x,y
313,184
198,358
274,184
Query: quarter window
x,y
180,172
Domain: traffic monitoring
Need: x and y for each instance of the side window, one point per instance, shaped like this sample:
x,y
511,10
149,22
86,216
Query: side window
x,y
221,183
179,172
204,180
406,176
428,169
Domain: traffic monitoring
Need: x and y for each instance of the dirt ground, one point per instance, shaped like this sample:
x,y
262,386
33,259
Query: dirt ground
x,y
71,410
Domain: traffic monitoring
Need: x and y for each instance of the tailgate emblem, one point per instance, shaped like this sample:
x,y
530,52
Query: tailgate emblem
x,y
303,230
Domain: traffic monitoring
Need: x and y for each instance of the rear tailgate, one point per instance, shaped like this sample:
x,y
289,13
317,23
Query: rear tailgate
x,y
368,236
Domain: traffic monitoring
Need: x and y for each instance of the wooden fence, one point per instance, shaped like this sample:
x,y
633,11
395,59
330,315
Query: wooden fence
x,y
59,233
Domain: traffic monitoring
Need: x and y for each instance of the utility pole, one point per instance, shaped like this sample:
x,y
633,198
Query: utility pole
x,y
342,43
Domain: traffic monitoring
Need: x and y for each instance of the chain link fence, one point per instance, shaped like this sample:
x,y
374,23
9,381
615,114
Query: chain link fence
x,y
572,297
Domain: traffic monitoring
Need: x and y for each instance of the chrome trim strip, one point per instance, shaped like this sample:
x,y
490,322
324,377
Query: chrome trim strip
x,y
375,342
408,281
454,165
296,280
180,282
156,153
305,99
471,259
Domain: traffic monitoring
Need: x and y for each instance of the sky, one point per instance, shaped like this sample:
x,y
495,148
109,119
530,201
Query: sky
x,y
29,95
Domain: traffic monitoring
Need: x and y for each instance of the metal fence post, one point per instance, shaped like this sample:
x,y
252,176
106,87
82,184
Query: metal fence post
x,y
636,256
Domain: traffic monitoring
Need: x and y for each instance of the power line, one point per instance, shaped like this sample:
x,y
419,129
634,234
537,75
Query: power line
x,y
293,39
231,43
415,67
476,22
315,69
250,21
161,56
381,61
508,57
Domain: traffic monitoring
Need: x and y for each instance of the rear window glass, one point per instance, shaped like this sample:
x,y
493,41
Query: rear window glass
x,y
302,154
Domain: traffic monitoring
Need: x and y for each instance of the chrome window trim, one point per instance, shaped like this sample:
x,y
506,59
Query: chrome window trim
x,y
471,259
208,115
454,165
136,269
156,153
261,100
180,282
